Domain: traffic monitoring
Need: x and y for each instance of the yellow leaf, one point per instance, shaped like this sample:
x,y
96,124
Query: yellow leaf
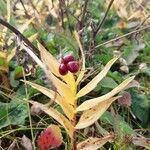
x,y
81,74
53,66
64,90
57,116
3,54
90,116
92,102
67,108
80,77
94,143
93,83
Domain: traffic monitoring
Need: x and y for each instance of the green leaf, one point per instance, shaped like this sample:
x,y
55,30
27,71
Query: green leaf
x,y
13,113
18,71
13,82
147,71
108,82
2,61
120,126
3,7
140,107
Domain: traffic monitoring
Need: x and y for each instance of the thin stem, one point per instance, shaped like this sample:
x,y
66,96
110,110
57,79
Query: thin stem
x,y
83,14
26,12
29,114
73,140
20,35
101,23
122,36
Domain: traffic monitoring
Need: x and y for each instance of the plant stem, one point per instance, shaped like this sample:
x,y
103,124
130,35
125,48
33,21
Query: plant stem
x,y
73,140
20,35
102,22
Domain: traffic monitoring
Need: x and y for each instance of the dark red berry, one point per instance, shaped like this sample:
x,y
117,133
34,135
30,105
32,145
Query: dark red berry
x,y
67,59
63,70
73,66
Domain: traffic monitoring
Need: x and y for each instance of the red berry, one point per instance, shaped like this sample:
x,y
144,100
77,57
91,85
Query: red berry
x,y
63,70
73,66
67,59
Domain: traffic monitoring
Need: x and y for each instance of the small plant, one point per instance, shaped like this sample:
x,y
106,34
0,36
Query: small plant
x,y
67,97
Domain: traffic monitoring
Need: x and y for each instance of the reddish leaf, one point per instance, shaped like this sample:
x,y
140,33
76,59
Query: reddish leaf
x,y
50,138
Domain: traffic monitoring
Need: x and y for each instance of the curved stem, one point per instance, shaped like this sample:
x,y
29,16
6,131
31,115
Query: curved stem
x,y
20,35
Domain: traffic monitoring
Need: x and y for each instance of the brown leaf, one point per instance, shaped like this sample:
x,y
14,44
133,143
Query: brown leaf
x,y
94,143
125,100
26,143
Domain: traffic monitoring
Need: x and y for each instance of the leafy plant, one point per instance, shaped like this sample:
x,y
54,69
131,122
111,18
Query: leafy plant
x,y
67,96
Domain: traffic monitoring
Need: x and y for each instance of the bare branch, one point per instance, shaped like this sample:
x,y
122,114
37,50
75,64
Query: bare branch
x,y
20,35
101,23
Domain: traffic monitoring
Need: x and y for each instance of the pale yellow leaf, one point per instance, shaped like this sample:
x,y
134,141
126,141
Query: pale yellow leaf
x,y
81,74
33,37
57,116
92,102
93,83
90,116
67,108
94,143
136,15
53,65
53,7
3,54
25,26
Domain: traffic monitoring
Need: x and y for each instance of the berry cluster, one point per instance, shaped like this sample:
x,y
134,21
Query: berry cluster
x,y
68,63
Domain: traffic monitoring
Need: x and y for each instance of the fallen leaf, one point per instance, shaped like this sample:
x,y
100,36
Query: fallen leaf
x,y
94,143
125,100
50,138
26,143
